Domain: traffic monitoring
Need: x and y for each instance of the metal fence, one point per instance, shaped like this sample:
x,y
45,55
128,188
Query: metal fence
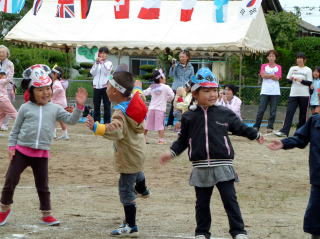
x,y
249,94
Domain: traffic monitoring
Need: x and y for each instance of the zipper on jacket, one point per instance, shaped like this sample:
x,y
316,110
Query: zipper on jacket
x,y
207,133
99,78
227,145
190,150
39,126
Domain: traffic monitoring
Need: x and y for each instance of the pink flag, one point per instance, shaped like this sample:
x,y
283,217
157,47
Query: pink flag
x,y
150,9
187,10
121,9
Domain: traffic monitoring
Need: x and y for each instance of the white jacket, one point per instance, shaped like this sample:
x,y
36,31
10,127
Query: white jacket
x,y
101,72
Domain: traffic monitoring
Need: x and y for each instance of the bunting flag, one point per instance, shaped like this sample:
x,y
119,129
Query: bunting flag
x,y
249,8
36,6
187,10
85,8
11,6
221,10
121,9
150,9
65,9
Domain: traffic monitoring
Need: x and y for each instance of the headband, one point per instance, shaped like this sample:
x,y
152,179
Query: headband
x,y
117,85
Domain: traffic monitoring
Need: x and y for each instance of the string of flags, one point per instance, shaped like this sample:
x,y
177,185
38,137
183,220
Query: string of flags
x,y
150,9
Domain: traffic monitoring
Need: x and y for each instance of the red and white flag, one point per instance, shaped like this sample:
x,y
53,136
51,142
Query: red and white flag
x,y
187,10
150,9
121,9
85,8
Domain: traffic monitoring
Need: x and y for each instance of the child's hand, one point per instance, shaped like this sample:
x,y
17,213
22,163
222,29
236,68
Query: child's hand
x,y
165,158
11,153
90,122
138,83
81,96
275,145
261,140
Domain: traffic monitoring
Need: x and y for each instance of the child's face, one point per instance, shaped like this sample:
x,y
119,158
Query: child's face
x,y
271,58
300,61
3,54
54,76
228,92
112,93
316,74
206,96
42,95
3,76
103,56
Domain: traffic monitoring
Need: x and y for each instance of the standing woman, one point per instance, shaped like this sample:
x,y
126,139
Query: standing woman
x,y
181,72
101,71
7,66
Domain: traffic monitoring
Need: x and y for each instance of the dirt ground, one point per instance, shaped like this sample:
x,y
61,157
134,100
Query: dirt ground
x,y
272,192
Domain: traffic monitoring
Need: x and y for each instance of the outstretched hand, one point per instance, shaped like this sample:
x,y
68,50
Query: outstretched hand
x,y
90,122
81,96
275,145
11,153
165,158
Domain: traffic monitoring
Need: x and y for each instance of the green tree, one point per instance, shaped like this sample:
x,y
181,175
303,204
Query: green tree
x,y
283,28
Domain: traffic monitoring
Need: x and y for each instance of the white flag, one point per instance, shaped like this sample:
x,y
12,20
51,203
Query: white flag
x,y
249,8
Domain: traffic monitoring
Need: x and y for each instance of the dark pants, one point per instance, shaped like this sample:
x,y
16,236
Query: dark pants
x,y
312,216
293,103
98,95
231,206
266,100
171,117
40,171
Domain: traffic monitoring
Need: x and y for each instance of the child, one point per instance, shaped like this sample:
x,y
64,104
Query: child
x,y
270,73
181,104
204,131
30,139
160,95
126,131
59,97
315,97
308,133
300,77
6,108
228,98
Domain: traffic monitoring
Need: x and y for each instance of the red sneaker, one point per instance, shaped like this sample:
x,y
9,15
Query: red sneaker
x,y
4,217
50,221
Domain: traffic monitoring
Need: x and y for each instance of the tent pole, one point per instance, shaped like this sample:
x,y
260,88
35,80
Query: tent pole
x,y
240,71
119,56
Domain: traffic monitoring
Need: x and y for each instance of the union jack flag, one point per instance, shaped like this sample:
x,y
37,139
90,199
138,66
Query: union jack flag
x,y
65,9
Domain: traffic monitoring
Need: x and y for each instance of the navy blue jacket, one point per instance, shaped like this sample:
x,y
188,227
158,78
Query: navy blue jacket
x,y
205,133
310,132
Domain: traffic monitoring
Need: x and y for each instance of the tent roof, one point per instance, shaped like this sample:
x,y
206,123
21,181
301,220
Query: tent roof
x,y
102,29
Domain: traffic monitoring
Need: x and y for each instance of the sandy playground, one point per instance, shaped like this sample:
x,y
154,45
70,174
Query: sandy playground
x,y
273,192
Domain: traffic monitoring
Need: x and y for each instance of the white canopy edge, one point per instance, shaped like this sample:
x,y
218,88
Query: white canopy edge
x,y
102,29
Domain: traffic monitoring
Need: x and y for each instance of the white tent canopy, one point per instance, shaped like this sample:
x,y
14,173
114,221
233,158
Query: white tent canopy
x,y
102,29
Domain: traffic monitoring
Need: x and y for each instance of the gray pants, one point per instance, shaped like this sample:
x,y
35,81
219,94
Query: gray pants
x,y
266,100
127,183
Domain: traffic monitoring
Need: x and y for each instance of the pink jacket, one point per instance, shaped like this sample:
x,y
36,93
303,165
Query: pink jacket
x,y
234,105
3,89
8,67
160,95
59,94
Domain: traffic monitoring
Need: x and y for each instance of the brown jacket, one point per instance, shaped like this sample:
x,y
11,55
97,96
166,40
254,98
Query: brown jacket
x,y
128,141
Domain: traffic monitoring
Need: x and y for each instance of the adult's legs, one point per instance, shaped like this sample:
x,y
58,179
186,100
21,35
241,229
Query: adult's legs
x,y
203,213
303,110
231,206
96,104
291,109
274,99
106,106
264,100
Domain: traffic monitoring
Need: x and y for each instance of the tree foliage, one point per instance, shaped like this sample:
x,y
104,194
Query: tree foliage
x,y
283,27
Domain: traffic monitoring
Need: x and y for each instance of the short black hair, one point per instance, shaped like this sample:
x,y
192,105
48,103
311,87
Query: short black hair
x,y
125,79
233,88
301,55
104,50
155,76
2,73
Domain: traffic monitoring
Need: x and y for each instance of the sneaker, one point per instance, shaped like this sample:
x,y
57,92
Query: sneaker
x,y
64,137
280,134
50,221
125,231
269,131
200,237
145,194
4,217
241,236
4,128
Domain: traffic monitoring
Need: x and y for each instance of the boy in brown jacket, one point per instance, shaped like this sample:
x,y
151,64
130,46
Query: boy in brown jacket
x,y
126,131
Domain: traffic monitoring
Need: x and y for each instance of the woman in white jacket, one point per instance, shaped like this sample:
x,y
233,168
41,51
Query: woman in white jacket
x,y
101,71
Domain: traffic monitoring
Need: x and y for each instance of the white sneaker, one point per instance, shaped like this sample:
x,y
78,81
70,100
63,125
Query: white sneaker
x,y
64,137
241,236
125,231
280,134
200,237
4,128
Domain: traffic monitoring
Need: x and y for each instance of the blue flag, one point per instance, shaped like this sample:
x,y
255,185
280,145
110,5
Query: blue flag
x,y
221,7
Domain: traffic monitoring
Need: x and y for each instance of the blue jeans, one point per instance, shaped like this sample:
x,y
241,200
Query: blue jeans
x,y
311,222
266,100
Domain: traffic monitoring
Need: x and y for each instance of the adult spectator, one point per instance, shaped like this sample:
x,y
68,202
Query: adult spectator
x,y
181,72
270,73
228,98
7,66
101,71
300,77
